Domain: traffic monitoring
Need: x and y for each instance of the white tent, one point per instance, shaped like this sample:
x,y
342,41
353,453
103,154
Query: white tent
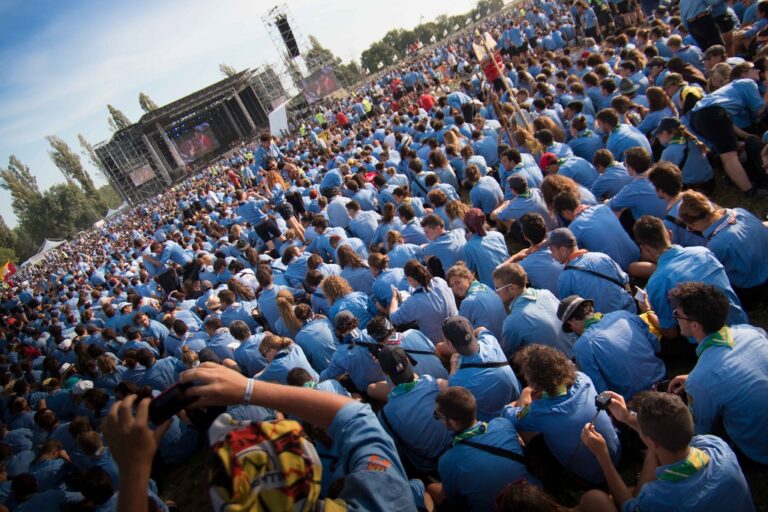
x,y
115,211
48,245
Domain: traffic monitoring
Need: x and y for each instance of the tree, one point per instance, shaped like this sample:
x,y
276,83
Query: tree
x,y
318,56
89,153
377,52
7,243
69,164
146,103
19,181
119,120
227,70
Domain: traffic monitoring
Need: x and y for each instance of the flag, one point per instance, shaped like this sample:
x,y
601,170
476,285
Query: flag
x,y
7,270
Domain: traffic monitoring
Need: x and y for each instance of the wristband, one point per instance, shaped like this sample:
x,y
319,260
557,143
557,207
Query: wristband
x,y
248,392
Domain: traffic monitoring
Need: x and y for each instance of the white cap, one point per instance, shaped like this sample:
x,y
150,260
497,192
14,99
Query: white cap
x,y
81,387
66,344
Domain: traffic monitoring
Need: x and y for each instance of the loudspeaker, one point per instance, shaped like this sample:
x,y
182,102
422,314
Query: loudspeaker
x,y
287,35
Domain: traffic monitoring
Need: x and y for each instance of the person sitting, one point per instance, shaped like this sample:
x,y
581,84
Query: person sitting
x,y
682,471
483,457
479,364
726,388
341,297
408,413
445,247
430,303
621,137
613,175
637,196
521,200
616,350
737,238
532,313
282,355
478,303
593,275
550,415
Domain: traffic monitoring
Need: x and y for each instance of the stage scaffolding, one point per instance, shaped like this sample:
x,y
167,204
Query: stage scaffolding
x,y
143,159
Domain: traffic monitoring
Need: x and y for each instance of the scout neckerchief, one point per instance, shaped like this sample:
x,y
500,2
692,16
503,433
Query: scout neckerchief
x,y
404,388
477,287
561,391
721,338
575,254
310,384
592,320
525,195
585,133
529,294
677,140
479,428
694,462
728,221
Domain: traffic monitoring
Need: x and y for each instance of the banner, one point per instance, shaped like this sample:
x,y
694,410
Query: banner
x,y
7,270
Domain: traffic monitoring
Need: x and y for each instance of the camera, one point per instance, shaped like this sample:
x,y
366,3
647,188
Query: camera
x,y
602,401
170,402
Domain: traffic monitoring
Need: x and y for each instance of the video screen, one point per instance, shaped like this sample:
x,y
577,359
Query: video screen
x,y
319,84
142,175
196,143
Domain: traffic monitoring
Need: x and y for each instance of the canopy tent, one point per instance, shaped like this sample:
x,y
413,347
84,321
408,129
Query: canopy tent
x,y
114,211
48,245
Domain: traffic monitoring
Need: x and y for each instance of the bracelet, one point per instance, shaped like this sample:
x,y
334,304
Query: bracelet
x,y
248,392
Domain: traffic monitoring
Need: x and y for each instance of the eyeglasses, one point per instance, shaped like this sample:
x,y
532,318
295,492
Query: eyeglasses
x,y
678,316
502,287
436,414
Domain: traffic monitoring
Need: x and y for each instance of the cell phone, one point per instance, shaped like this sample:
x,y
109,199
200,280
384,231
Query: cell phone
x,y
170,402
602,401
641,295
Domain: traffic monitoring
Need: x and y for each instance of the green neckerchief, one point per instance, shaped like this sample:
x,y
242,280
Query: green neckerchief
x,y
310,384
721,338
525,195
479,428
403,388
561,391
477,287
589,322
695,461
677,140
529,294
584,133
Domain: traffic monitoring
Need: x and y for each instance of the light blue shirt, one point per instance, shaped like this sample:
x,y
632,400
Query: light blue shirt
x,y
448,247
624,137
533,319
318,341
543,270
598,229
611,181
493,388
740,98
483,254
740,242
606,295
640,197
483,307
428,308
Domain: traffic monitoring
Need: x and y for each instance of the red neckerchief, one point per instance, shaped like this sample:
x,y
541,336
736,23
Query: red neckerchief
x,y
575,255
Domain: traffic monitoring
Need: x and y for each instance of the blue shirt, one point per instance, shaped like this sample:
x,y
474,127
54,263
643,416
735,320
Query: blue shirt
x,y
251,211
543,270
640,197
611,181
472,478
448,247
681,235
598,229
483,307
618,352
678,265
285,361
493,388
740,242
533,319
318,341
560,419
400,254
606,295
730,384
248,357
585,144
624,137
356,303
579,170
740,98
486,194
483,254
413,233
356,361
428,308
718,485
519,205
408,412
364,225
696,168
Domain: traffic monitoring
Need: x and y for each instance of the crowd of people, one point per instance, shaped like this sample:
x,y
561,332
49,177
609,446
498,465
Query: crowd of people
x,y
446,291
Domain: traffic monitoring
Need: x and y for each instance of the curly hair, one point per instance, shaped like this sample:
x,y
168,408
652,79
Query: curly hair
x,y
335,287
546,369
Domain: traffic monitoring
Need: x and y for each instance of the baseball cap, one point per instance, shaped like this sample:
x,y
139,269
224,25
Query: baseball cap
x,y
547,159
395,361
667,124
567,307
64,345
561,237
458,331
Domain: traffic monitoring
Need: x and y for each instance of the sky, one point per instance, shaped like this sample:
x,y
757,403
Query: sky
x,y
63,62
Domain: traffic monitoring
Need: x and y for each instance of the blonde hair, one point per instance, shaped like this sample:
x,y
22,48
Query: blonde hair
x,y
285,303
456,209
695,206
274,342
393,237
461,271
335,287
189,357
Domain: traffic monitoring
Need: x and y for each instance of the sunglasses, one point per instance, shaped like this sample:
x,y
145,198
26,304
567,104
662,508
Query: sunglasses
x,y
678,316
